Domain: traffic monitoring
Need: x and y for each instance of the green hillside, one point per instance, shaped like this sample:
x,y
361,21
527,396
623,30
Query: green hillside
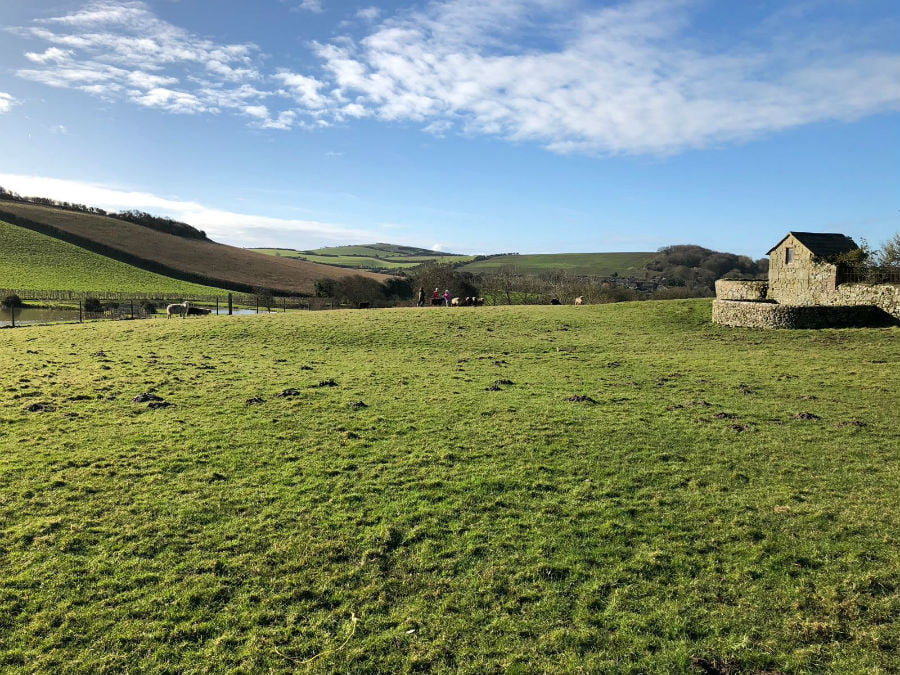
x,y
609,489
382,257
588,264
35,261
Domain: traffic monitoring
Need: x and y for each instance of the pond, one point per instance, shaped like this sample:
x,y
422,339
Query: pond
x,y
30,315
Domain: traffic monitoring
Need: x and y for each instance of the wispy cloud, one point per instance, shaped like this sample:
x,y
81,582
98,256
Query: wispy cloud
x,y
621,79
314,6
121,50
6,102
239,229
629,77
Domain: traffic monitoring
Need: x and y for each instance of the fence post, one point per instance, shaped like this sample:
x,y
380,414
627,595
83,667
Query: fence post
x,y
284,305
12,316
80,317
132,309
229,305
257,304
217,305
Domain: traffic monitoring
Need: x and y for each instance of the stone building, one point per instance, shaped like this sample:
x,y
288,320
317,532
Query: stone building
x,y
807,288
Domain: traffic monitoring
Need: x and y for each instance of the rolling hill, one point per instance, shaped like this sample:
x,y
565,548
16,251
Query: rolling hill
x,y
38,262
587,264
197,261
375,257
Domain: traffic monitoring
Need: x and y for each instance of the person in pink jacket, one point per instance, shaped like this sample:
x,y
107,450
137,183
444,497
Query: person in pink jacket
x,y
446,297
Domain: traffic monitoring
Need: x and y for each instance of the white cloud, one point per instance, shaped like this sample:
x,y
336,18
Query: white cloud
x,y
627,77
314,6
620,79
239,229
121,50
368,13
6,102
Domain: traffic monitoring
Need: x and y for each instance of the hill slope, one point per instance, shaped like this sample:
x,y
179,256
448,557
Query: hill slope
x,y
586,264
381,257
188,259
35,261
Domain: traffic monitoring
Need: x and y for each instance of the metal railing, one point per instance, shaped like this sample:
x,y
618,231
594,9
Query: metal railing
x,y
868,275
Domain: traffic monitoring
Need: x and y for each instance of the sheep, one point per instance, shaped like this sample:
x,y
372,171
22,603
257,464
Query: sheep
x,y
182,308
579,300
455,302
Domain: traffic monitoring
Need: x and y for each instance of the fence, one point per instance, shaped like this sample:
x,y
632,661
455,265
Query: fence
x,y
869,275
61,306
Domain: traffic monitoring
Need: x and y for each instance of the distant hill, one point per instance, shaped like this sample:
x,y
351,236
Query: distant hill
x,y
376,257
193,260
37,262
585,264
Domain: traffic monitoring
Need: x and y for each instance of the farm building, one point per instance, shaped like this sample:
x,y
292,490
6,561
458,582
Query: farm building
x,y
810,285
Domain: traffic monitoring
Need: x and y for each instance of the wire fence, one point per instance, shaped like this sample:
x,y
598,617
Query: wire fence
x,y
23,307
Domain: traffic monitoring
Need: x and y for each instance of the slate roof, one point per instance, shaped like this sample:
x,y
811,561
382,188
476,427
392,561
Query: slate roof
x,y
821,244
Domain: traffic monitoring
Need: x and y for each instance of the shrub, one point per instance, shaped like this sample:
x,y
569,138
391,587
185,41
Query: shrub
x,y
92,305
11,301
148,307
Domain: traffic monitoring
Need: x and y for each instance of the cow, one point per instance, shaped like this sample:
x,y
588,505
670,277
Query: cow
x,y
555,301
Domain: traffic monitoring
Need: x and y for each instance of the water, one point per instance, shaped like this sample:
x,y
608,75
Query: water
x,y
30,315
26,315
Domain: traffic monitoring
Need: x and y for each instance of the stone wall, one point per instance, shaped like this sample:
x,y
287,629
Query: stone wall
x,y
773,315
732,289
802,282
883,296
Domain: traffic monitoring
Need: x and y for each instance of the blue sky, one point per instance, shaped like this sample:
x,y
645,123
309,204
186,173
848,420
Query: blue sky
x,y
476,126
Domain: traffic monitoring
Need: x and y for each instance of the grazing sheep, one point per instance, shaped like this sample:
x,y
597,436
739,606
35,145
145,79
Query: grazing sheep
x,y
455,302
478,302
579,300
183,309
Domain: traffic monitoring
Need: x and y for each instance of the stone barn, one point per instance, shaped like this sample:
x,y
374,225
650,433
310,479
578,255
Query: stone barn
x,y
809,287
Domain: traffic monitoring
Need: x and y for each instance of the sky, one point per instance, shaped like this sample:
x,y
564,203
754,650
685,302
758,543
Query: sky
x,y
470,126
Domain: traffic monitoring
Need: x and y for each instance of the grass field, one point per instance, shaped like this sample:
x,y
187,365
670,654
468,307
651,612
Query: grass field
x,y
588,264
37,262
384,257
600,489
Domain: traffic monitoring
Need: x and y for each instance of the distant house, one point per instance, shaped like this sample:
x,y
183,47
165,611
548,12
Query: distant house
x,y
807,288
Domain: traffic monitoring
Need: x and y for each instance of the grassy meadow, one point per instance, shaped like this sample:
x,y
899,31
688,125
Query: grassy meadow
x,y
37,262
588,264
614,489
382,257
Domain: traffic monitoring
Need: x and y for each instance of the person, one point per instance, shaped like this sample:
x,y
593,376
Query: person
x,y
446,297
435,297
420,299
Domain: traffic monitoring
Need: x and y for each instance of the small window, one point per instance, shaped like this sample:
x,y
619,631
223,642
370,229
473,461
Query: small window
x,y
789,255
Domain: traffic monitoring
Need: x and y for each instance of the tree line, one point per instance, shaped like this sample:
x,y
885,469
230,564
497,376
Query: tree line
x,y
142,218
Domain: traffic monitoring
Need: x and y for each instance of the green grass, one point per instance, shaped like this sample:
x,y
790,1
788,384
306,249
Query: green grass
x,y
467,530
592,264
35,261
375,257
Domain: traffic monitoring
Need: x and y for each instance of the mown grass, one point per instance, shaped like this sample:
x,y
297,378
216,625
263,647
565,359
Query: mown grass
x,y
724,494
592,264
35,261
